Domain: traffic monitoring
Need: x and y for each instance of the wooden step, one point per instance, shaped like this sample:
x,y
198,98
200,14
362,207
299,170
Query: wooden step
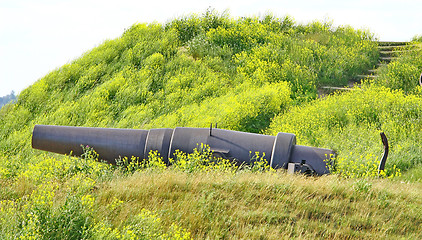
x,y
386,53
337,88
373,71
394,53
392,48
387,59
366,76
391,43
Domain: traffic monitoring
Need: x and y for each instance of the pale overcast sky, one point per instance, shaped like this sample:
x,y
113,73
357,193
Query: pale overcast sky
x,y
38,36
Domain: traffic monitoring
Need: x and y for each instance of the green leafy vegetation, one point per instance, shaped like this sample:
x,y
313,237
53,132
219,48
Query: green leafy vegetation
x,y
254,74
350,123
404,72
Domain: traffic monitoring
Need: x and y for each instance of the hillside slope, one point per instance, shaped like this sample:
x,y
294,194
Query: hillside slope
x,y
192,71
251,74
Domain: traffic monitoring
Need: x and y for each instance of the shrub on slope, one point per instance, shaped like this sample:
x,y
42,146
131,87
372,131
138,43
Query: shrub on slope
x,y
350,123
153,72
191,72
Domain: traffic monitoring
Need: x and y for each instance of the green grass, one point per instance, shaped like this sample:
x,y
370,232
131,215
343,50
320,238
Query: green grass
x,y
214,204
250,74
351,122
270,206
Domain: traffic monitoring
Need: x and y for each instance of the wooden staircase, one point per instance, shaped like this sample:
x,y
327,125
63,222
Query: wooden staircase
x,y
387,53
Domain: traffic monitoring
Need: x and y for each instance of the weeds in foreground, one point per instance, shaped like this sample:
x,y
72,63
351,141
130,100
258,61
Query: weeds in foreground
x,y
191,198
129,166
202,159
364,167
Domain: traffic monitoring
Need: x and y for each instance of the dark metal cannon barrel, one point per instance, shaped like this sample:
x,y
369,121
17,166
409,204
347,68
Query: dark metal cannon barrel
x,y
112,143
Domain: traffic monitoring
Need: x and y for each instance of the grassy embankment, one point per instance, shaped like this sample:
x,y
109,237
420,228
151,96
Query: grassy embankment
x,y
249,74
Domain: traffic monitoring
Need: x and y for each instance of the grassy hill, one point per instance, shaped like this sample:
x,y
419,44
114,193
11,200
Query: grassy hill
x,y
250,74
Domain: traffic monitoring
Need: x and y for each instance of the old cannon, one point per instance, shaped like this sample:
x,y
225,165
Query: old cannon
x,y
280,151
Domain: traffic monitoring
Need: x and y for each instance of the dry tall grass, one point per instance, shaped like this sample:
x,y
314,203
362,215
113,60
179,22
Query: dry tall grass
x,y
270,205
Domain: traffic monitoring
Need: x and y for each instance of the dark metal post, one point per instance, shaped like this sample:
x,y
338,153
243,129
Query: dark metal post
x,y
385,155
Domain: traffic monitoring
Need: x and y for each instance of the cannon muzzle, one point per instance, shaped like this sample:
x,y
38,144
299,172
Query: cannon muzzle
x,y
281,151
